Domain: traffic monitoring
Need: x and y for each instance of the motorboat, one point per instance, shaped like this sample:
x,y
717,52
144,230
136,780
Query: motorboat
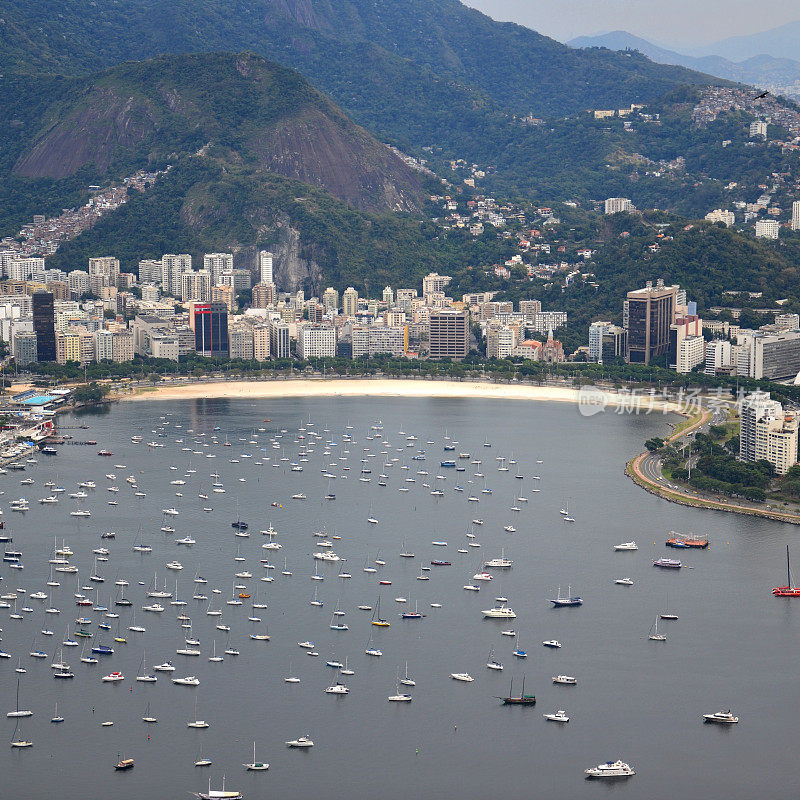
x,y
611,769
623,581
462,676
565,680
558,716
301,741
499,612
721,718
552,643
626,546
667,563
113,677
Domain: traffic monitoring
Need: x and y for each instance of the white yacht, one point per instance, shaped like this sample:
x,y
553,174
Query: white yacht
x,y
623,581
721,717
566,680
498,563
559,716
301,741
499,612
462,676
626,546
611,769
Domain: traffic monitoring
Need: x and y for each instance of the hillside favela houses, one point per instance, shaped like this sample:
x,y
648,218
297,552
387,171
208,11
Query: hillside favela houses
x,y
170,309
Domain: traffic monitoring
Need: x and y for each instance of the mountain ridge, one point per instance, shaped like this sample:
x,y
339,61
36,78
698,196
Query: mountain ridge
x,y
780,75
256,112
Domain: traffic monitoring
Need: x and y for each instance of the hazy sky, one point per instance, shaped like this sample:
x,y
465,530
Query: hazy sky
x,y
687,22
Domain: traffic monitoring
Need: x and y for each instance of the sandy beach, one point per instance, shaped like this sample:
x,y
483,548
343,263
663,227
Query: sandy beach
x,y
265,390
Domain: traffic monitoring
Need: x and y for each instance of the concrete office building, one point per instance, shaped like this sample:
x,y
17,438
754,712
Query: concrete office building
x,y
769,355
448,335
44,326
647,316
279,339
316,341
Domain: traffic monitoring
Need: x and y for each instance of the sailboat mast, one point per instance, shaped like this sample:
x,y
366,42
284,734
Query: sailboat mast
x,y
788,569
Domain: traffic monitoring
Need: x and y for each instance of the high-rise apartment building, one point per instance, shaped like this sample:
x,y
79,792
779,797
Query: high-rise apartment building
x,y
106,268
216,264
371,340
150,271
615,205
448,334
265,271
264,295
261,342
796,215
350,302
330,299
241,341
172,267
755,406
195,286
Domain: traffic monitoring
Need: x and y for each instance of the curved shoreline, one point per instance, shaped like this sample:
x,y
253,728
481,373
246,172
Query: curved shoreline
x,y
375,387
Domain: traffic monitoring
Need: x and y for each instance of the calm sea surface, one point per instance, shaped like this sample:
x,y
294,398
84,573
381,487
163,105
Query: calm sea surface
x,y
734,645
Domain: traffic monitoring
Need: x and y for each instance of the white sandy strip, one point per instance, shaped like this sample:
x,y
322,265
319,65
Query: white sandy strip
x,y
274,389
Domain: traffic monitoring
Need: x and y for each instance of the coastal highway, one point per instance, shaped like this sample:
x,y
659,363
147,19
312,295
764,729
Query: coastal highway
x,y
646,471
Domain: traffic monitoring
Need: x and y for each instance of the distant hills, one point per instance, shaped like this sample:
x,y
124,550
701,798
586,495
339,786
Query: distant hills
x,y
780,74
780,42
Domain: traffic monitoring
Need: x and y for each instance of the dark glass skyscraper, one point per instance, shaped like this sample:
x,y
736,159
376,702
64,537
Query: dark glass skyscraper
x,y
44,326
210,323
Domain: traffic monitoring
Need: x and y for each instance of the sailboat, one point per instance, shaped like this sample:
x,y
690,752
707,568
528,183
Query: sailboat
x,y
19,741
143,675
256,766
377,620
788,590
19,712
667,614
566,600
399,697
56,718
654,635
147,717
521,700
406,681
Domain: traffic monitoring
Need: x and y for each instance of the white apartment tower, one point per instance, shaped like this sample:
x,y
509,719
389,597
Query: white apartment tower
x,y
796,215
614,205
265,267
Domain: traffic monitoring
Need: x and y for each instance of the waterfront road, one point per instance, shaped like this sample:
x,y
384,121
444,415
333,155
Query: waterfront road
x,y
646,471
